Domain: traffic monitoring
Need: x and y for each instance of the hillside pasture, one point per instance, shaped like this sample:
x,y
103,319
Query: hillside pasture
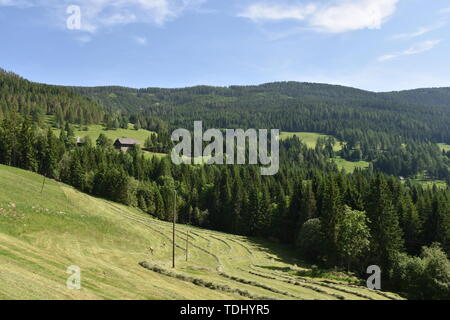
x,y
126,254
94,132
309,138
350,166
444,146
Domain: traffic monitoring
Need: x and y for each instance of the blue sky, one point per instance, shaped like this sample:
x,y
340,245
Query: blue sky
x,y
378,45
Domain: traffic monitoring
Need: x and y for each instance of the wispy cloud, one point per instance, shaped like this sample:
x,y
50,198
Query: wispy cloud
x,y
97,14
415,49
331,17
140,40
264,12
16,3
420,32
446,10
84,39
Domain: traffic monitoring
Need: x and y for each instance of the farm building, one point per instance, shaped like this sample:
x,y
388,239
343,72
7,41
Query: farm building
x,y
125,144
80,142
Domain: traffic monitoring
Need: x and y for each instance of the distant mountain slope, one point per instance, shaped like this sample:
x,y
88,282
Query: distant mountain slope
x,y
438,97
359,117
290,106
35,99
131,99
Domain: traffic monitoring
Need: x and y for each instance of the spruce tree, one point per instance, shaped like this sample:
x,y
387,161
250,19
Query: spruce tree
x,y
384,224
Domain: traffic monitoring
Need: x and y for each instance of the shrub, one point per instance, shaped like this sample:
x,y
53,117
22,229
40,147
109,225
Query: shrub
x,y
311,241
425,277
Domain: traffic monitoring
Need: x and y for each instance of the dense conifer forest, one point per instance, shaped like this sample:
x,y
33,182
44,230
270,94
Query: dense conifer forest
x,y
396,131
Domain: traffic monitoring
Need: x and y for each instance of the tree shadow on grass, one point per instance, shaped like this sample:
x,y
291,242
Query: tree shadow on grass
x,y
278,252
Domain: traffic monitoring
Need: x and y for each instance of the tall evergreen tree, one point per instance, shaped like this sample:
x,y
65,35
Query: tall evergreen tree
x,y
384,223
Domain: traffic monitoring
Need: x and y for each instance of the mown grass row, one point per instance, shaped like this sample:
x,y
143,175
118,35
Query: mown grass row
x,y
303,285
259,285
201,282
331,285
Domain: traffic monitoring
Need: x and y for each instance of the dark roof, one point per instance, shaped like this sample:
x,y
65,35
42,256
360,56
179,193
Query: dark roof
x,y
126,141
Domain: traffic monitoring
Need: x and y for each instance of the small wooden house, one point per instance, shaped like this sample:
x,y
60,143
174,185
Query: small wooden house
x,y
80,142
124,144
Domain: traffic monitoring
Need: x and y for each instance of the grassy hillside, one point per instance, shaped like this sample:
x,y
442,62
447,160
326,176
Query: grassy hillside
x,y
125,254
309,138
444,146
95,130
350,166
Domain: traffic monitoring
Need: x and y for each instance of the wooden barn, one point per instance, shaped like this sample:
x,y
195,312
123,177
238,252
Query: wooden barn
x,y
124,144
80,142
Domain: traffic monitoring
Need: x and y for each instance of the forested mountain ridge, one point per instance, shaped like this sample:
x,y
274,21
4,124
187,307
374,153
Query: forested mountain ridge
x,y
36,100
290,106
304,90
431,96
396,131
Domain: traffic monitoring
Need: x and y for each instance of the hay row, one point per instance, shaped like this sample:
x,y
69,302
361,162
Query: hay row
x,y
202,283
303,285
332,285
242,245
380,293
259,285
223,241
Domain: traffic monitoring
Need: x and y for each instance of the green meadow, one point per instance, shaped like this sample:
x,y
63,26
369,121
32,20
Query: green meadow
x,y
94,131
444,147
309,138
350,166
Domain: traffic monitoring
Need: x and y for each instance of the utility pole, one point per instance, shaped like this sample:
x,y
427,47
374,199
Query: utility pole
x,y
43,184
174,222
187,245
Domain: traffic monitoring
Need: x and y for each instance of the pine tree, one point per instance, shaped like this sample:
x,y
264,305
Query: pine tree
x,y
27,159
410,224
437,223
50,156
384,224
308,205
332,209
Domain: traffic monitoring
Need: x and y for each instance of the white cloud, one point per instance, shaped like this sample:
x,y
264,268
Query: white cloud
x,y
140,40
354,15
333,17
420,32
16,3
96,14
84,39
261,12
415,49
446,10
